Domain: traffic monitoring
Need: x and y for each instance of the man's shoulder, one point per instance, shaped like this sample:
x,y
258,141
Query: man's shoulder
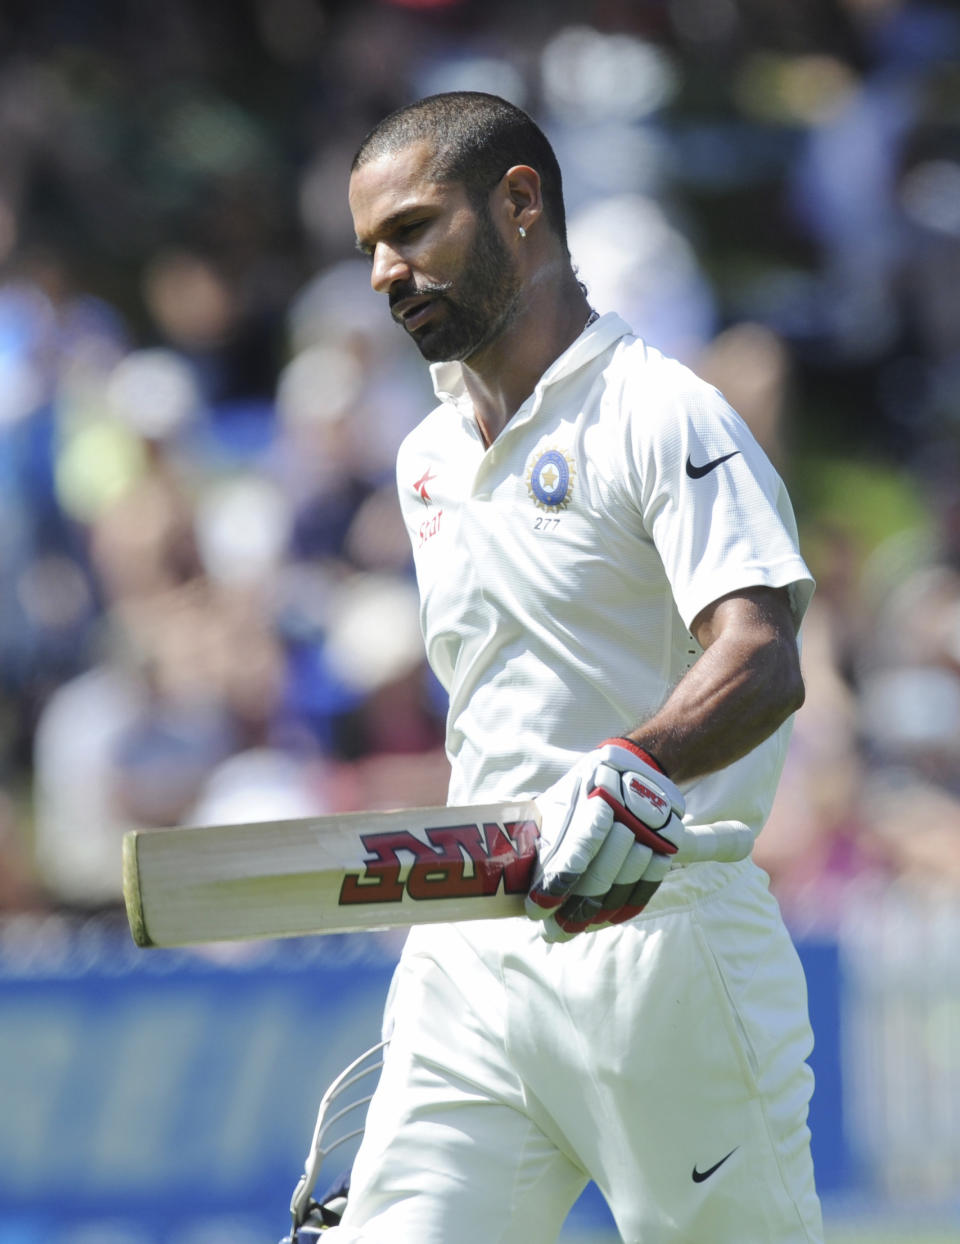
x,y
636,362
641,379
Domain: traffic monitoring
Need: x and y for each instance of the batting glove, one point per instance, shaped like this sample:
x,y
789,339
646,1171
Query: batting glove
x,y
608,831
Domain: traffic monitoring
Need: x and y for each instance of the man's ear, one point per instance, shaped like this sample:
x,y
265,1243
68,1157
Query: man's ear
x,y
520,198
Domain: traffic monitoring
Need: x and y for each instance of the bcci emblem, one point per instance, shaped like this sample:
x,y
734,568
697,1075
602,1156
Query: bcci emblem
x,y
550,480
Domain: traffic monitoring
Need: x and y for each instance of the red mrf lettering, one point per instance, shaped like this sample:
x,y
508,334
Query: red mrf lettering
x,y
645,792
450,861
380,880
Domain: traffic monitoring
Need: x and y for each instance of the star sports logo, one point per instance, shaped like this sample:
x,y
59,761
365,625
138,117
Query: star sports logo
x,y
420,487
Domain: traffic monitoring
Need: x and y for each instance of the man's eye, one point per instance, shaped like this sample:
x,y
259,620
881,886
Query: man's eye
x,y
410,229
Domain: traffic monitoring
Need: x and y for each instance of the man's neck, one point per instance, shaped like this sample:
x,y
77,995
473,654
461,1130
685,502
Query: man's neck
x,y
503,375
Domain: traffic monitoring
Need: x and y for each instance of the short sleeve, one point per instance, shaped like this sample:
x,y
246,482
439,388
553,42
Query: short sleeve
x,y
709,497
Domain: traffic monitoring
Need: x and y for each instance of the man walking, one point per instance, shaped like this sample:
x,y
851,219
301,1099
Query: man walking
x,y
611,593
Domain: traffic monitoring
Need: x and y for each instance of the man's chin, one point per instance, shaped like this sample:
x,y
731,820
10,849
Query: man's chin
x,y
436,347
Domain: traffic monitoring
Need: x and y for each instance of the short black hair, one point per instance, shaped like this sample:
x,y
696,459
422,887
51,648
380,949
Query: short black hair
x,y
477,137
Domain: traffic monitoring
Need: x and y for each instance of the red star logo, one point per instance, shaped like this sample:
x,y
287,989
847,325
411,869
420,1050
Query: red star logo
x,y
420,487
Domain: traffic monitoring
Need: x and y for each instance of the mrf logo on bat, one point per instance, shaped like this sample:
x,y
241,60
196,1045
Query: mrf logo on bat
x,y
450,861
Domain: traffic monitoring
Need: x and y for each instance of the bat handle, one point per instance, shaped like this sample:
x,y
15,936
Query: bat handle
x,y
724,841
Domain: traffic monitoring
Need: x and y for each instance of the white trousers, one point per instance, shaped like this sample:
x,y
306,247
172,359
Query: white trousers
x,y
664,1059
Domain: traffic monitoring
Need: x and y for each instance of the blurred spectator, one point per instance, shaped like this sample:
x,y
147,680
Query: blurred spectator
x,y
635,262
819,839
20,889
77,824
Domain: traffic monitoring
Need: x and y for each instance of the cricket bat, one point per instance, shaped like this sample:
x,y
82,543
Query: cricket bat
x,y
328,874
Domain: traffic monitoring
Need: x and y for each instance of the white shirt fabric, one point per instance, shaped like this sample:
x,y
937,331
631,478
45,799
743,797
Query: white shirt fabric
x,y
561,568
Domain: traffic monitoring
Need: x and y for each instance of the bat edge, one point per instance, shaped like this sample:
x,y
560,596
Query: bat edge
x,y
132,893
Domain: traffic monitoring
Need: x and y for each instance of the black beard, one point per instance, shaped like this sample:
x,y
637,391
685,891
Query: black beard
x,y
485,303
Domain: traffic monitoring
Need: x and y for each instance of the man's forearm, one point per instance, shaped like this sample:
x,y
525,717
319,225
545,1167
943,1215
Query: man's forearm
x,y
745,685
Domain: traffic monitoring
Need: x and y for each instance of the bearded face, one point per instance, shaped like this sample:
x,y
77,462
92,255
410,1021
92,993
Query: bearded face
x,y
457,318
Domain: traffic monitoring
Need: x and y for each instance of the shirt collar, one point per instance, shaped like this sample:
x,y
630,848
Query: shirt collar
x,y
448,383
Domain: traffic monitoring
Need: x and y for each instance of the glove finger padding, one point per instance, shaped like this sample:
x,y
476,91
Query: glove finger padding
x,y
619,856
595,896
601,828
643,891
610,862
599,909
624,901
566,852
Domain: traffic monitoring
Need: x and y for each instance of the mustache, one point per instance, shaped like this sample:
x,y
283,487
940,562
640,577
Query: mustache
x,y
410,289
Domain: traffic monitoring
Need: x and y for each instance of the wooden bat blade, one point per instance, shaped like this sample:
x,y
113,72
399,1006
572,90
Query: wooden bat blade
x,y
328,874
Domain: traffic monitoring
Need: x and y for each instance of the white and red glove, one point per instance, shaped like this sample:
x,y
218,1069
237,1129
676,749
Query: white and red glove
x,y
608,831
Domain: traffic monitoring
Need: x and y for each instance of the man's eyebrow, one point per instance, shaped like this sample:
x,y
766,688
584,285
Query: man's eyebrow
x,y
388,224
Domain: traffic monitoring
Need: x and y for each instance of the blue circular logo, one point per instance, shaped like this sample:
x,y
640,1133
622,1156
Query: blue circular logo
x,y
550,479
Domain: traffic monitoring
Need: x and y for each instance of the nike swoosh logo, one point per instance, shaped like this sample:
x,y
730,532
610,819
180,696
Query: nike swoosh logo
x,y
699,1176
698,472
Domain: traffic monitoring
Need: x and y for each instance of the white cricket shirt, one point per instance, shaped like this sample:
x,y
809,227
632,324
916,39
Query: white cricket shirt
x,y
560,569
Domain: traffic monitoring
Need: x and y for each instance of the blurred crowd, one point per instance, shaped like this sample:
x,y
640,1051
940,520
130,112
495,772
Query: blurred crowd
x,y
206,605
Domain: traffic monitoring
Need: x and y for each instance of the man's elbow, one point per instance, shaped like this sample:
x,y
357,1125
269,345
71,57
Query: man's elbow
x,y
797,694
793,691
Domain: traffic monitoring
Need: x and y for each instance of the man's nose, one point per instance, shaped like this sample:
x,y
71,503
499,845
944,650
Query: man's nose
x,y
388,268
